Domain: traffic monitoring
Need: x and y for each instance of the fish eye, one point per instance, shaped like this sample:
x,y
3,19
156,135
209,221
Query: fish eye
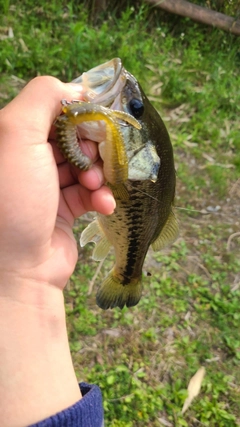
x,y
136,108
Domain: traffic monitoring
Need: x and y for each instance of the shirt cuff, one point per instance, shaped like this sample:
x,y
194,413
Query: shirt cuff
x,y
87,412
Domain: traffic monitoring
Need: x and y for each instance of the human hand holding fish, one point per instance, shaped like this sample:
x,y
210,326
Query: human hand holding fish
x,y
40,196
137,164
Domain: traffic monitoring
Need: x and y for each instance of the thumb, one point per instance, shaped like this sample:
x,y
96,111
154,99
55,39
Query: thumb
x,y
37,106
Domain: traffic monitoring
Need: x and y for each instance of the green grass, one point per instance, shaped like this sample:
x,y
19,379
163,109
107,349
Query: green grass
x,y
144,357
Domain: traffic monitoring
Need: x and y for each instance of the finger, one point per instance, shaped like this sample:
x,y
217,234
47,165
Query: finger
x,y
92,178
77,200
38,104
103,201
58,156
67,175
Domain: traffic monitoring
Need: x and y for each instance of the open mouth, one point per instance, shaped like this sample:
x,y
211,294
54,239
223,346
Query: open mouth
x,y
103,83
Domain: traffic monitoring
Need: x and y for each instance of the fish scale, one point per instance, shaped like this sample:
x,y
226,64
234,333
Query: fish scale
x,y
144,213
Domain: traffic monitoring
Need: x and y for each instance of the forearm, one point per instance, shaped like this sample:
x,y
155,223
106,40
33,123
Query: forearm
x,y
35,361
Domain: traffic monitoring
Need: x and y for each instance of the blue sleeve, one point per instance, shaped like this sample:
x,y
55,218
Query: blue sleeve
x,y
87,412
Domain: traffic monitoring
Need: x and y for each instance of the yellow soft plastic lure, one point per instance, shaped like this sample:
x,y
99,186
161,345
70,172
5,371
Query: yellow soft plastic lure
x,y
115,157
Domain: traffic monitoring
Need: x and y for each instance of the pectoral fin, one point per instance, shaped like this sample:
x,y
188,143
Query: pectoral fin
x,y
168,234
93,233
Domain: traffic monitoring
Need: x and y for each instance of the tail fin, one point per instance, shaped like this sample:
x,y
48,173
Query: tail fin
x,y
112,293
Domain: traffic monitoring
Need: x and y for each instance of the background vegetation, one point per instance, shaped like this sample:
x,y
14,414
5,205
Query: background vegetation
x,y
144,357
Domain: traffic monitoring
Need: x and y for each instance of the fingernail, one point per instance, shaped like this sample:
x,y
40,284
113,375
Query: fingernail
x,y
112,203
99,174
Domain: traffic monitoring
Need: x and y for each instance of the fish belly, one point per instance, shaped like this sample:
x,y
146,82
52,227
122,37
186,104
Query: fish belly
x,y
130,229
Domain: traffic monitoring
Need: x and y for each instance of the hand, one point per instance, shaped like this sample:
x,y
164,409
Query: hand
x,y
40,196
40,193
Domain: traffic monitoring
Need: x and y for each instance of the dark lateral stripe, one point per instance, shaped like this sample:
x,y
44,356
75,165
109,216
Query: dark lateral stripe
x,y
133,249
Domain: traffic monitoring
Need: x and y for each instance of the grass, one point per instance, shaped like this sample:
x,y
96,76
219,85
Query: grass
x,y
144,357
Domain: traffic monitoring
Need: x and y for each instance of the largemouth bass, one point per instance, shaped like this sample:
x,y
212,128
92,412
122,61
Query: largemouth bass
x,y
139,168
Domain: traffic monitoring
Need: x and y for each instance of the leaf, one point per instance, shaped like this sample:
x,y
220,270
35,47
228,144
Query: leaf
x,y
111,379
194,387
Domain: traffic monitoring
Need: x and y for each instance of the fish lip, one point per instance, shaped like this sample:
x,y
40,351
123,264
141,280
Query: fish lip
x,y
103,83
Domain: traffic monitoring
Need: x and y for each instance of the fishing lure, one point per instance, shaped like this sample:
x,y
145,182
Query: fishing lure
x,y
113,150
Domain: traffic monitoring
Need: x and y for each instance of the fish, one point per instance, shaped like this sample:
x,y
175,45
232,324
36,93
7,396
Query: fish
x,y
139,171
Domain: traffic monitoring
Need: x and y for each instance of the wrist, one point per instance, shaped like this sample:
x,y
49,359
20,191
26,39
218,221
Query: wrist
x,y
35,361
20,287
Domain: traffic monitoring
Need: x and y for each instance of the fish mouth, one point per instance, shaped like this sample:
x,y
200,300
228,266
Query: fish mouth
x,y
102,84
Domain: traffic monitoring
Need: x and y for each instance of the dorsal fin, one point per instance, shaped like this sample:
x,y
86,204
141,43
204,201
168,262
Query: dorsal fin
x,y
168,234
